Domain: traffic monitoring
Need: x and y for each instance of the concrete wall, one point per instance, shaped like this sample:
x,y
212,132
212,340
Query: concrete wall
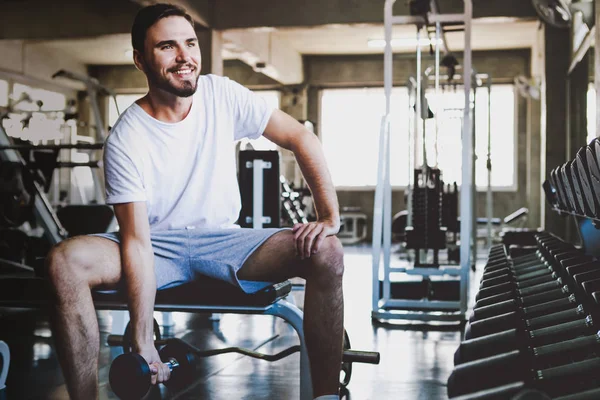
x,y
32,64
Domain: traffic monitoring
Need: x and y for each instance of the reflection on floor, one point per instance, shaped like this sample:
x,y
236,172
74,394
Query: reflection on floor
x,y
415,361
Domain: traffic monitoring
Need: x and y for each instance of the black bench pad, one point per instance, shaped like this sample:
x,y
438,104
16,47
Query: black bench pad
x,y
29,292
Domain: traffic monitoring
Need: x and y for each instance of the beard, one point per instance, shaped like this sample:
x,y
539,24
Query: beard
x,y
182,88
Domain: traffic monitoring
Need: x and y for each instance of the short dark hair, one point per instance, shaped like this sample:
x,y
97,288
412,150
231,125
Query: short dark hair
x,y
150,15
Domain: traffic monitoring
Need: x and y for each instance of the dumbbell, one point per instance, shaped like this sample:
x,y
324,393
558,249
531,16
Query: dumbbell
x,y
551,271
534,315
570,279
585,181
544,256
478,375
512,391
539,331
130,376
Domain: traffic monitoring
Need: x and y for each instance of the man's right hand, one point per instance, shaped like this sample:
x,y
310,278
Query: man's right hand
x,y
159,370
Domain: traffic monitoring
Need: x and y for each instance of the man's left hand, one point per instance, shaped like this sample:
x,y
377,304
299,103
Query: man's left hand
x,y
309,237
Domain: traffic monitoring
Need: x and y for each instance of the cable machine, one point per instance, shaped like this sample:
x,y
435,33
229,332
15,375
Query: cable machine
x,y
384,307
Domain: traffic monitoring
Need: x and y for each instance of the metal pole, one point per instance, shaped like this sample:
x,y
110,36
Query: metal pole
x,y
383,191
473,170
466,196
597,65
437,88
489,202
419,100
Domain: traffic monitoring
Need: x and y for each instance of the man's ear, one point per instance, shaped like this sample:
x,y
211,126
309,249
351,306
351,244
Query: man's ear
x,y
138,60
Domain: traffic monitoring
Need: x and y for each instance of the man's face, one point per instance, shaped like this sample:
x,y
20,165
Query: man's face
x,y
171,58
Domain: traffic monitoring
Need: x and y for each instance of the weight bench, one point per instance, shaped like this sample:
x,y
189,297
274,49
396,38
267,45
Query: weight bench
x,y
207,295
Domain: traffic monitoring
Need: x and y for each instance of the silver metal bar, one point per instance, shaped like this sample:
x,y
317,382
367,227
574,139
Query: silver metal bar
x,y
489,198
422,305
257,194
437,86
419,102
432,18
474,176
378,211
387,213
428,271
466,195
417,316
295,317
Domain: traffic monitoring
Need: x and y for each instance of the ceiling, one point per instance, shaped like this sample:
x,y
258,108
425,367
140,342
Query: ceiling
x,y
329,39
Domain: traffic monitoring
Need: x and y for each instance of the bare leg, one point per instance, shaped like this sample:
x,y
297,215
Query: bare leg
x,y
276,260
74,267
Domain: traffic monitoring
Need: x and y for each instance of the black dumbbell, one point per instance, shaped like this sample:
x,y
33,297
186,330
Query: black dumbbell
x,y
477,375
537,331
570,280
130,376
566,268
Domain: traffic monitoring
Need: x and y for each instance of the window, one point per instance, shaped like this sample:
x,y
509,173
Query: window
x,y
591,113
502,135
350,120
350,125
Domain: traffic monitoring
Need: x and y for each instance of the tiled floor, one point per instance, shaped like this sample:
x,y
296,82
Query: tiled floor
x,y
415,360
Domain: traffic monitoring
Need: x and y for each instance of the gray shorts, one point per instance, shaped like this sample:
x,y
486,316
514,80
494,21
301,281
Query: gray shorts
x,y
181,256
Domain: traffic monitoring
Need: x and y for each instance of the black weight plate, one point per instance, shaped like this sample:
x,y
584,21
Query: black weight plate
x,y
564,185
576,181
565,174
129,376
584,177
185,373
555,184
594,173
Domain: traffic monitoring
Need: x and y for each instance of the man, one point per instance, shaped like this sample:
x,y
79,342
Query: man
x,y
170,174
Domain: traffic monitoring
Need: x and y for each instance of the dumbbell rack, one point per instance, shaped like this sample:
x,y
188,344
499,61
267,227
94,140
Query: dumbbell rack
x,y
384,307
534,326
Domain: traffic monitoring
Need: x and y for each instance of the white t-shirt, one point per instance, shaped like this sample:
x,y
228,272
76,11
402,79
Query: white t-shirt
x,y
185,171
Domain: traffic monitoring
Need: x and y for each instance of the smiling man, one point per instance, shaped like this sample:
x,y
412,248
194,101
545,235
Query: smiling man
x,y
171,176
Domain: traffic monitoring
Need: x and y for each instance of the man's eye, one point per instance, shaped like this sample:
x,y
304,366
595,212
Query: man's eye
x,y
167,47
192,44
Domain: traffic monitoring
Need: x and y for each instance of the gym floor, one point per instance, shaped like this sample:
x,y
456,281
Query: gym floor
x,y
415,360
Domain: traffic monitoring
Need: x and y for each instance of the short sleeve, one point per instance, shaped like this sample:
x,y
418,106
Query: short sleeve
x,y
124,184
251,112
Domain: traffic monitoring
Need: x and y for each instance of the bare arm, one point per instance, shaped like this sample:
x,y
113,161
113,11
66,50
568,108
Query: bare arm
x,y
137,260
288,133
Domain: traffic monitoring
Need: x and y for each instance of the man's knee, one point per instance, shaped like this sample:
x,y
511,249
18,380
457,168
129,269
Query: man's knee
x,y
327,265
65,264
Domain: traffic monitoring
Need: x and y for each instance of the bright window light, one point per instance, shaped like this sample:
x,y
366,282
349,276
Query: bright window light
x,y
591,113
351,144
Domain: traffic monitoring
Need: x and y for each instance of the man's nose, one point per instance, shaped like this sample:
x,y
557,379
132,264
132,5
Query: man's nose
x,y
183,54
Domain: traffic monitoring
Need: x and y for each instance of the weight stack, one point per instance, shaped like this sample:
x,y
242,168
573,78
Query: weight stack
x,y
450,208
271,190
426,231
